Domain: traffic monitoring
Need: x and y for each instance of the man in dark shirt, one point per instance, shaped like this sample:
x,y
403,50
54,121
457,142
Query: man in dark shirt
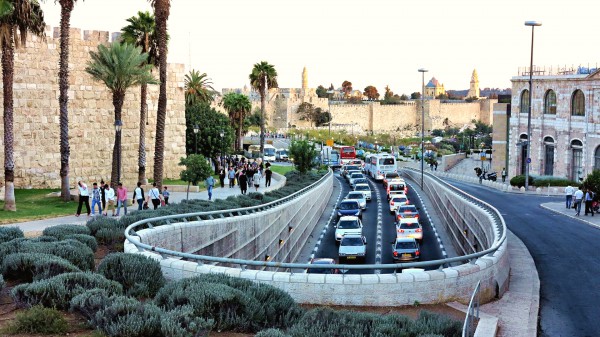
x,y
268,174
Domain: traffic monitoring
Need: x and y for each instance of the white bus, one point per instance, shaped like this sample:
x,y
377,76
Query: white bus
x,y
381,164
270,151
254,152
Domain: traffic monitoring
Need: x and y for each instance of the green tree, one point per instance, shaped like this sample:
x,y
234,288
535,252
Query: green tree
x,y
303,153
66,7
238,106
415,95
211,123
347,88
263,77
371,93
321,92
198,88
6,7
252,120
119,67
388,93
307,112
355,100
593,181
196,170
25,17
321,117
404,97
141,32
161,12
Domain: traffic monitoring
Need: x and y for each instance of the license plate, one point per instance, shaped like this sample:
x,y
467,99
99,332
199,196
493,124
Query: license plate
x,y
351,257
406,255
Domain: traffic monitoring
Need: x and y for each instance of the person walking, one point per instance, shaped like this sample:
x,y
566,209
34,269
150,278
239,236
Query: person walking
x,y
84,198
589,198
96,199
222,177
210,183
231,175
109,193
504,175
121,198
138,195
268,174
577,199
256,180
569,190
103,194
243,182
166,195
154,196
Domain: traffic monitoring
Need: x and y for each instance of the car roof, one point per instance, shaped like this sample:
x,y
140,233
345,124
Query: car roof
x,y
349,218
355,193
361,184
349,200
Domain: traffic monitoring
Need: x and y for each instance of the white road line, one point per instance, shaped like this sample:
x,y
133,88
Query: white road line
x,y
324,231
379,223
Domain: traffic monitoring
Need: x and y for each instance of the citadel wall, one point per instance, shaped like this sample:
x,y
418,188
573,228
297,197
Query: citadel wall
x,y
91,117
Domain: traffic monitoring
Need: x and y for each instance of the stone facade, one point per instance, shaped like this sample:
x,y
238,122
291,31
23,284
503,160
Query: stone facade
x,y
565,133
474,85
91,117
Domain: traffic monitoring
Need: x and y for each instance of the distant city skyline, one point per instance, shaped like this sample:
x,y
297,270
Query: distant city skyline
x,y
378,43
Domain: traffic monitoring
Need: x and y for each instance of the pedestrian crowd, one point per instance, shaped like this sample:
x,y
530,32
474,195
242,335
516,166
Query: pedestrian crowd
x,y
576,197
241,172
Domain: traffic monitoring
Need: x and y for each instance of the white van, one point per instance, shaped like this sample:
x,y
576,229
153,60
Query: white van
x,y
381,164
281,155
269,152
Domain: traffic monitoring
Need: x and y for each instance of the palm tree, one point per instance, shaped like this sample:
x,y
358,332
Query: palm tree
x,y
119,66
238,106
26,17
198,88
141,32
6,7
161,11
66,7
263,76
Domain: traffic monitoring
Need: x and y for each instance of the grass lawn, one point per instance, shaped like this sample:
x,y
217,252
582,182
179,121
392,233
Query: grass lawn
x,y
281,169
34,204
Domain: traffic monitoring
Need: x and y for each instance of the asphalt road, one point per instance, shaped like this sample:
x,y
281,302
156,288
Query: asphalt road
x,y
379,251
565,252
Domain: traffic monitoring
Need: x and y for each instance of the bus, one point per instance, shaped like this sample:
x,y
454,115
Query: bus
x,y
381,164
254,152
347,153
330,157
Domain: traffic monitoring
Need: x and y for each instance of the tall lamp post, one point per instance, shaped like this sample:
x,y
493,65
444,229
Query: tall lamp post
x,y
196,129
221,149
533,24
118,128
422,71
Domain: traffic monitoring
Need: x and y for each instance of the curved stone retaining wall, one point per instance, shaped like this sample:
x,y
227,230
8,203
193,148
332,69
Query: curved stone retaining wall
x,y
442,285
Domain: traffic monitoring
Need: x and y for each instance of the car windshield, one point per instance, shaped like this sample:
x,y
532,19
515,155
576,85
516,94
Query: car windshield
x,y
396,187
352,167
348,205
362,188
348,224
270,152
355,196
407,209
357,175
399,199
351,241
409,225
361,181
406,245
283,153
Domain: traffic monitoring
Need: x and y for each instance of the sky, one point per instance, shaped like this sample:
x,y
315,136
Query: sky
x,y
375,42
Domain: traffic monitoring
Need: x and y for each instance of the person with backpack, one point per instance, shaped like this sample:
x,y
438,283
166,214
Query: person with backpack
x,y
138,195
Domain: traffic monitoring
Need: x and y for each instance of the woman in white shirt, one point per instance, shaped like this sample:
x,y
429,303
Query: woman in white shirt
x,y
256,179
154,195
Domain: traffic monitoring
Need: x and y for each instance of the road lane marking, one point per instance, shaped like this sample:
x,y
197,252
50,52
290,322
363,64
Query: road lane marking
x,y
378,246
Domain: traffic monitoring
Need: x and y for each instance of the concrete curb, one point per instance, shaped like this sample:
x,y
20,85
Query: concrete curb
x,y
545,206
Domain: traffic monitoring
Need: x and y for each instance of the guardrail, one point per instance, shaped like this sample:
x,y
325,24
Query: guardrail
x,y
132,237
472,313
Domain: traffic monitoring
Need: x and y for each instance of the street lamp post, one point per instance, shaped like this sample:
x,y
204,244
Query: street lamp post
x,y
221,149
196,129
533,24
422,71
118,128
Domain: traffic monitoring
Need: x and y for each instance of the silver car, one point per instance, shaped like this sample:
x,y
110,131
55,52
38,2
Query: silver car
x,y
365,189
347,225
354,177
358,196
353,247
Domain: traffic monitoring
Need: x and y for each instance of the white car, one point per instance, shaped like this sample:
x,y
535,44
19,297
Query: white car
x,y
350,173
353,247
355,176
397,201
347,225
358,196
365,189
409,228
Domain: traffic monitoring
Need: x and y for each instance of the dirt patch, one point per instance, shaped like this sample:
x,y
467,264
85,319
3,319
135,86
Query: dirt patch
x,y
411,311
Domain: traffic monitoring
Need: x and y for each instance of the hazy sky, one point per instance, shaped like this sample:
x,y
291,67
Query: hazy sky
x,y
376,42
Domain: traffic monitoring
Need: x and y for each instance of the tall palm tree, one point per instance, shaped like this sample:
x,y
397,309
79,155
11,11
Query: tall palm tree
x,y
141,32
119,66
6,7
66,7
161,11
26,17
238,106
262,77
198,88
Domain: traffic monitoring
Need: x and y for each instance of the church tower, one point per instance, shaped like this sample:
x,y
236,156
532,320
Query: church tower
x,y
304,79
474,88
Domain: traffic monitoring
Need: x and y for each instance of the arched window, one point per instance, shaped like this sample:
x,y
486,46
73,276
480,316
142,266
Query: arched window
x,y
549,156
578,103
597,158
524,104
576,159
550,102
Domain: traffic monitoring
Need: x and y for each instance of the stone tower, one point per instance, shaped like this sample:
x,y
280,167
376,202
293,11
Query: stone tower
x,y
304,79
474,88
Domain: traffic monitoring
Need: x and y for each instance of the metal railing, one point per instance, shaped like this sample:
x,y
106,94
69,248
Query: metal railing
x,y
200,259
472,313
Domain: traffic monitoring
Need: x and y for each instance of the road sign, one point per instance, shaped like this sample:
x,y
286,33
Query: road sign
x,y
528,160
329,142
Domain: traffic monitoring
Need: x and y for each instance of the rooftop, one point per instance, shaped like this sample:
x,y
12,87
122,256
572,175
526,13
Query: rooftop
x,y
563,70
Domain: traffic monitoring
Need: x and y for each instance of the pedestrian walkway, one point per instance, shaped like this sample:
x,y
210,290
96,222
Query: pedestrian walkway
x,y
33,227
561,208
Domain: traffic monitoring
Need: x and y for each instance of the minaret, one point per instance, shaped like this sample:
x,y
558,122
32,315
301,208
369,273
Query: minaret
x,y
474,87
304,79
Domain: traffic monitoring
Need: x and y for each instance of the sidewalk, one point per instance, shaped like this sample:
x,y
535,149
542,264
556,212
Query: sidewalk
x,y
176,197
560,208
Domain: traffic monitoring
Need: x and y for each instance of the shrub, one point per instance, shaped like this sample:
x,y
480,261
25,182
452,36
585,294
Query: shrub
x,y
181,322
36,266
95,224
87,240
110,236
39,320
10,247
89,302
543,181
2,283
72,250
9,233
126,316
139,275
59,290
271,333
43,238
60,231
519,181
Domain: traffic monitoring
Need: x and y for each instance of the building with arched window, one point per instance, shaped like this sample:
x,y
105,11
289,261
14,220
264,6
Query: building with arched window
x,y
565,123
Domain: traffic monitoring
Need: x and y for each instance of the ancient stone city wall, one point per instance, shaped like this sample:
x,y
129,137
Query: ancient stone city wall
x,y
91,117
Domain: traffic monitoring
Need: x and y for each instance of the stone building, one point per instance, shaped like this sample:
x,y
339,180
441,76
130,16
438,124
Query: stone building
x,y
91,117
474,85
565,128
434,88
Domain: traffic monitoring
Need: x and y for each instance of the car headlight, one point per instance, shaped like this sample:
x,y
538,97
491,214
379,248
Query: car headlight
x,y
338,235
